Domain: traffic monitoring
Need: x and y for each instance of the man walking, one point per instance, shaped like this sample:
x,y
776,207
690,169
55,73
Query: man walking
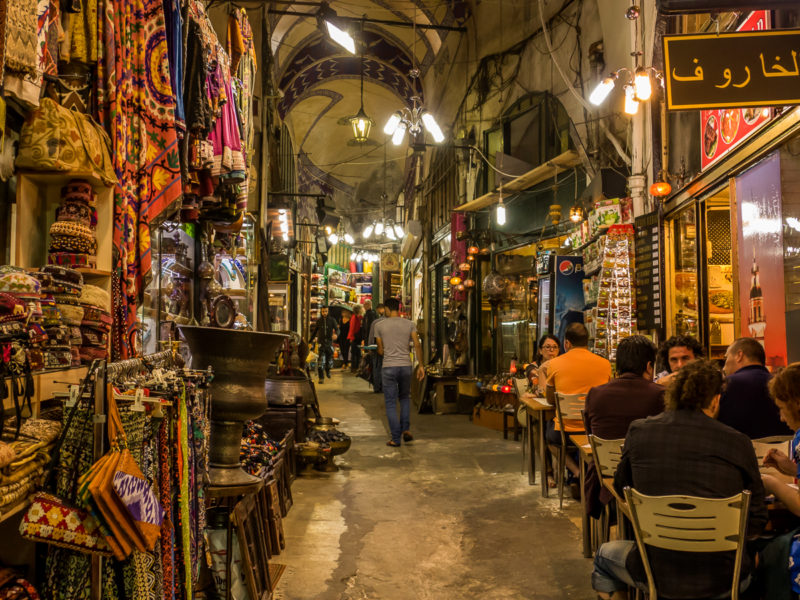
x,y
394,335
377,359
325,331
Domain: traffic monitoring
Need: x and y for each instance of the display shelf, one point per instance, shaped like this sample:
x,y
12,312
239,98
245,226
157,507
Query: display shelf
x,y
16,509
38,197
46,383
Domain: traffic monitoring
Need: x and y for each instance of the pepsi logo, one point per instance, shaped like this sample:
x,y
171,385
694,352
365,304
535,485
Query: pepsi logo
x,y
566,267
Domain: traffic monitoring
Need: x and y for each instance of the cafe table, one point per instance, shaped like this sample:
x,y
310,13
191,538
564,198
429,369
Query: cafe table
x,y
581,441
537,410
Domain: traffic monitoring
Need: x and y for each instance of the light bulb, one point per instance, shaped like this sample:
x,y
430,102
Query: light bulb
x,y
341,37
399,134
348,239
392,123
333,239
283,218
642,84
359,257
398,231
390,233
602,90
285,237
631,104
368,231
353,255
433,127
379,228
501,213
284,227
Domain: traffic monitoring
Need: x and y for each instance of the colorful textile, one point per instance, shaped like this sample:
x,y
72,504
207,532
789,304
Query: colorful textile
x,y
22,82
21,36
140,109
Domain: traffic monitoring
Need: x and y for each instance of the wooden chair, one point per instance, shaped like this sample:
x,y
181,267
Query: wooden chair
x,y
569,407
689,524
606,455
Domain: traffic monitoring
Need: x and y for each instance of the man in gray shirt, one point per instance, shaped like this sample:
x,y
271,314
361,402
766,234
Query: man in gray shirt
x,y
377,360
394,335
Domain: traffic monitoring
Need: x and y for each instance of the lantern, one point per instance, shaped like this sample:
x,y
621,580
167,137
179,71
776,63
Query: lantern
x,y
660,188
473,250
455,280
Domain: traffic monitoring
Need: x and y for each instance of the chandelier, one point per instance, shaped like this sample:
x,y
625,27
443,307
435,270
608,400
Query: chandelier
x,y
414,120
339,234
386,228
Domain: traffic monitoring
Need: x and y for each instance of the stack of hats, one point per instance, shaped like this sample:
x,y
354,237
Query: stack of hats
x,y
96,323
61,288
26,289
73,242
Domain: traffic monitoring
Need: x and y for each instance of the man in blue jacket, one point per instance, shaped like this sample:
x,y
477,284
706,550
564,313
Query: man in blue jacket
x,y
745,404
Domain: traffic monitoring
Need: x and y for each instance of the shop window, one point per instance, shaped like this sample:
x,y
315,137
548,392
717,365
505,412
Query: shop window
x,y
517,311
534,130
719,274
683,306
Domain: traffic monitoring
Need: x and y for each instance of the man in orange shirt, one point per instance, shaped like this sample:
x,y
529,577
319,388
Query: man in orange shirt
x,y
574,372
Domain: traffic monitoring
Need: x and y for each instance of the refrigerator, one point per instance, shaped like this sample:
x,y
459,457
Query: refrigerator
x,y
561,300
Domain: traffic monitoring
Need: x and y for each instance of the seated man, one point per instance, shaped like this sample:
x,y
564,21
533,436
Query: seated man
x,y
612,407
674,354
575,372
745,404
684,450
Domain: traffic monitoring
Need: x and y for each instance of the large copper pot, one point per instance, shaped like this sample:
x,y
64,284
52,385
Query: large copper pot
x,y
240,360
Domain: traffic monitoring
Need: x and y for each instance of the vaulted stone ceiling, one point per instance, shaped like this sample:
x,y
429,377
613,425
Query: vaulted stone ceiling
x,y
320,86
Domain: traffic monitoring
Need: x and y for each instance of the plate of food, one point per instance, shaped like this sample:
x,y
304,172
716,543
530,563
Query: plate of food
x,y
730,125
710,136
720,301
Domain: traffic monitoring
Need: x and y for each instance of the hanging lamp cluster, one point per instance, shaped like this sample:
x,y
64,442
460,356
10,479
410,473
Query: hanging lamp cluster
x,y
386,228
339,235
364,256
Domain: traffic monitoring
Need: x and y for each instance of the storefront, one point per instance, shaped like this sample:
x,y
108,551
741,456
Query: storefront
x,y
731,240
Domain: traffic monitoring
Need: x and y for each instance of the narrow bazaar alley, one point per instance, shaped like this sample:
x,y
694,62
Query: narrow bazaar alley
x,y
448,516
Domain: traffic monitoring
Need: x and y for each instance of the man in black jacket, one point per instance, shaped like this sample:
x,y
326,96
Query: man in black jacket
x,y
684,450
612,407
745,404
325,331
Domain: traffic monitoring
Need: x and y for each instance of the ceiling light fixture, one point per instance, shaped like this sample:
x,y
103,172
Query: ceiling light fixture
x,y
329,21
416,119
638,87
500,214
361,123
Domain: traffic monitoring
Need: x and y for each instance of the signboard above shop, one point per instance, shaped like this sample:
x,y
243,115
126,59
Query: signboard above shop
x,y
673,7
732,70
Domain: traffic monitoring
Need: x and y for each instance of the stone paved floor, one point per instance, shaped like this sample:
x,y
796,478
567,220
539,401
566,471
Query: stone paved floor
x,y
447,517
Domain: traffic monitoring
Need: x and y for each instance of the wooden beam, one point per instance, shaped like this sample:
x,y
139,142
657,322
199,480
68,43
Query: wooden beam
x,y
543,172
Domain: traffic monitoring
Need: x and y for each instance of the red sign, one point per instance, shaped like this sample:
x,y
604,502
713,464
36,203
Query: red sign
x,y
723,129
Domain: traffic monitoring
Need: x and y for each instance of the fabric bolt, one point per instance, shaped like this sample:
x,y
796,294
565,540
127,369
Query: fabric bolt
x,y
138,107
184,500
74,229
64,277
77,212
73,315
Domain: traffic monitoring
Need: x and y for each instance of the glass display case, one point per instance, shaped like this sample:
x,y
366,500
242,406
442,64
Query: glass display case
x,y
720,276
683,307
169,296
517,310
227,277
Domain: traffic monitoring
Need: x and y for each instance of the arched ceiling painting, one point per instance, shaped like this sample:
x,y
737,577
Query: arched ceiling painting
x,y
320,86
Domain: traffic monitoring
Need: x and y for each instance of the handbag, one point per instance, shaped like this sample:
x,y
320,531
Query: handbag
x,y
51,520
117,488
54,138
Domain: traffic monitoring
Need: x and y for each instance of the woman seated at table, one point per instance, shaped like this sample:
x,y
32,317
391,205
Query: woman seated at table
x,y
549,348
536,374
784,551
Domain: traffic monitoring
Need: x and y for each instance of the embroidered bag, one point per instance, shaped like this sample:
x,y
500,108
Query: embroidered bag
x,y
51,520
54,138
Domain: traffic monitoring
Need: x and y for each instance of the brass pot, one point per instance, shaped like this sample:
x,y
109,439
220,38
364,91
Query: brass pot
x,y
240,360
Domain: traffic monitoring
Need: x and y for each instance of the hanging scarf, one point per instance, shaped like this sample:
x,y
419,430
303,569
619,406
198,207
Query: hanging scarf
x,y
139,108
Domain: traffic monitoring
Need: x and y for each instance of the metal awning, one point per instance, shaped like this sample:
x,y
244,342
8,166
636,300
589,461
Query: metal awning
x,y
551,168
